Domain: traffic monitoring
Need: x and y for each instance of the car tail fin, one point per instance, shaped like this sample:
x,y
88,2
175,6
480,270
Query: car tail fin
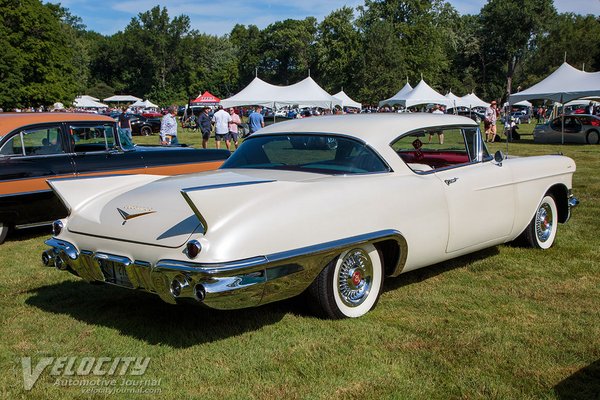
x,y
215,198
76,192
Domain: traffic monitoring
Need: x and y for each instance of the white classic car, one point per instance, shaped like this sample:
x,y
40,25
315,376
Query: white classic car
x,y
324,207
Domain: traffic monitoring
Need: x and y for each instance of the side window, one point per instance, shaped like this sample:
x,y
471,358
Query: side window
x,y
34,142
13,146
435,148
89,138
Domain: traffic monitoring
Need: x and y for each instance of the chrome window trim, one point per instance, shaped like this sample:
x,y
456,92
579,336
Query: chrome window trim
x,y
91,124
479,146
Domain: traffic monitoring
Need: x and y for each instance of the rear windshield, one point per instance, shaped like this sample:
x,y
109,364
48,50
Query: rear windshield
x,y
318,153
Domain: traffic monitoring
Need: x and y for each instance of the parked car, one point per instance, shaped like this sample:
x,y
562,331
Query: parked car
x,y
474,115
35,147
141,125
520,117
579,128
277,220
151,114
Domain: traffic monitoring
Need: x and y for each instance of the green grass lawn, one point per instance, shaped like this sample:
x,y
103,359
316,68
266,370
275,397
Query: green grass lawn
x,y
504,323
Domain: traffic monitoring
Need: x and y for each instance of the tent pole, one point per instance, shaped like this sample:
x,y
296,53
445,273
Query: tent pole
x,y
562,133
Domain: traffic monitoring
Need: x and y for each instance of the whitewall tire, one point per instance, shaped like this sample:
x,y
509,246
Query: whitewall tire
x,y
541,231
349,286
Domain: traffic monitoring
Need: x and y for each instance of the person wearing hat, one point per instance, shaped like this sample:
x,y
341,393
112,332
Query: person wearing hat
x,y
489,123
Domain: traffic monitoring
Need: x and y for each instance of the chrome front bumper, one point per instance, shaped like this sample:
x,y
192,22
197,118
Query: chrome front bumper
x,y
572,202
237,284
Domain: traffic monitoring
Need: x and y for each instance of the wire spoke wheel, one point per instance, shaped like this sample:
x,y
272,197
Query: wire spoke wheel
x,y
541,231
350,285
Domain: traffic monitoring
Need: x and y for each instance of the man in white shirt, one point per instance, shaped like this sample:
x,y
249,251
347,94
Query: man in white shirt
x,y
168,128
221,119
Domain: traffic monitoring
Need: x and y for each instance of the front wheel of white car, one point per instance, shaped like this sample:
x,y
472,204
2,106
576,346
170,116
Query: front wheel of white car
x,y
541,231
350,285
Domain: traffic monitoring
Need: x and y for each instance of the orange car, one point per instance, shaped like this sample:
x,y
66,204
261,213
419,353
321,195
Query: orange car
x,y
35,147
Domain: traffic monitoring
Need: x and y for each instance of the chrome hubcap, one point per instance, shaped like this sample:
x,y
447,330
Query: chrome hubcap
x,y
355,277
543,223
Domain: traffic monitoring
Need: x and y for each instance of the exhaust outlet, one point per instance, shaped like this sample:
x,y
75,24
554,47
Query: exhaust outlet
x,y
200,292
179,286
48,258
59,263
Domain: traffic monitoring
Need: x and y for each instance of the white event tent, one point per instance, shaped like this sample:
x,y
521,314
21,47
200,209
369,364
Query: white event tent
x,y
86,102
455,100
565,84
424,94
125,98
398,97
85,96
306,93
471,101
346,100
144,104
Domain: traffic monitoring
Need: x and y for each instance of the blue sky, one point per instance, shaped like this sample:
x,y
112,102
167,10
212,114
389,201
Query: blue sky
x,y
218,17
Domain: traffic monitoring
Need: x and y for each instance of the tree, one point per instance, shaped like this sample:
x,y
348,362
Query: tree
x,y
511,30
338,52
247,43
412,36
36,67
575,36
288,50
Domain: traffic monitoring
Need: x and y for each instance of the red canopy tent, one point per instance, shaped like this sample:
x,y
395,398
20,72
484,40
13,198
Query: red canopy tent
x,y
206,99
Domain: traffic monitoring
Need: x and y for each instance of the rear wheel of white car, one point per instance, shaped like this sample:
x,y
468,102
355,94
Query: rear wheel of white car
x,y
349,286
541,231
592,137
3,232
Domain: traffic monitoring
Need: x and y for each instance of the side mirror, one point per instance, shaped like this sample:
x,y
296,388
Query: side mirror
x,y
499,157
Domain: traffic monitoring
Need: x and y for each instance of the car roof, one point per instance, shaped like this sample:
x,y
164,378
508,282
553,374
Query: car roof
x,y
380,129
12,121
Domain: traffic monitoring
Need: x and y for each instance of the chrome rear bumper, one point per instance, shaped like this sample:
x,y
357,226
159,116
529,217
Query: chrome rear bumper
x,y
237,284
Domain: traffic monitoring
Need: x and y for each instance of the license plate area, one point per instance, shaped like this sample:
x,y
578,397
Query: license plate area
x,y
114,270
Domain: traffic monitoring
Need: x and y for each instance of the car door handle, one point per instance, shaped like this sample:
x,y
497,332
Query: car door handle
x,y
450,181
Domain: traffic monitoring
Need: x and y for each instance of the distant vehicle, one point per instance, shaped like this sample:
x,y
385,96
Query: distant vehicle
x,y
141,125
151,114
579,128
474,115
521,116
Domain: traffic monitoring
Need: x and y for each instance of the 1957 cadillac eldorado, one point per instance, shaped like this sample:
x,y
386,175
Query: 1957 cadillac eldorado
x,y
323,206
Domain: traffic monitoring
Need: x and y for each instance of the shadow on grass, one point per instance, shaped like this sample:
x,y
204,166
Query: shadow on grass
x,y
425,273
21,235
583,384
145,317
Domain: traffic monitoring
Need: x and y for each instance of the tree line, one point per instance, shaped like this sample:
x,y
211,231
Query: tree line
x,y
369,51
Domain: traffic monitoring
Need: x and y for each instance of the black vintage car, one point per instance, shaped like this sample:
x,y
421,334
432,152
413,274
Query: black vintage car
x,y
144,126
35,147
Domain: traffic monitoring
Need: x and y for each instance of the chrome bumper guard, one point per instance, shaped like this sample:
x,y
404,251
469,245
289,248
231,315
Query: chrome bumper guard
x,y
232,285
572,202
